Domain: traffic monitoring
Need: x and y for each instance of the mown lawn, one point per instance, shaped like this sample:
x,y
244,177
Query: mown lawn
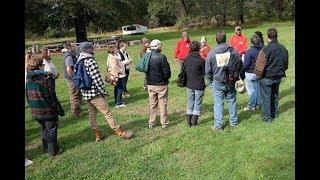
x,y
252,150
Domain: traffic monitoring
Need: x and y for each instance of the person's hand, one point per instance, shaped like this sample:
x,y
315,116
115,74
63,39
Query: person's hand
x,y
176,59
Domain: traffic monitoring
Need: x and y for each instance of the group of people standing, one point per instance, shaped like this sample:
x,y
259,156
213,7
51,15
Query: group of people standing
x,y
264,66
45,106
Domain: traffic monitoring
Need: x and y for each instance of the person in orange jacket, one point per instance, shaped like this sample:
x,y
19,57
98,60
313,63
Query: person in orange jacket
x,y
239,42
205,47
182,48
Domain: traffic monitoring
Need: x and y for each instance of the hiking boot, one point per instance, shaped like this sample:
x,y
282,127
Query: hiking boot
x,y
216,129
194,120
98,135
152,126
121,133
189,116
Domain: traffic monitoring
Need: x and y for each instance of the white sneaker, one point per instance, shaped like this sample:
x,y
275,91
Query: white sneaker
x,y
27,162
120,106
248,109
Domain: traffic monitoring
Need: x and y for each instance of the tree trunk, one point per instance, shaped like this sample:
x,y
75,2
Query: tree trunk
x,y
184,11
224,19
240,11
280,8
241,18
80,26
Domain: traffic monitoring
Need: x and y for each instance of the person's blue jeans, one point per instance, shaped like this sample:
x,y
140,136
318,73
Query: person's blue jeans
x,y
125,80
252,86
118,89
194,101
223,91
269,97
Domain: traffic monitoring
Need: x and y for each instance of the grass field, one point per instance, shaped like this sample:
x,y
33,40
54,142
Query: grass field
x,y
252,150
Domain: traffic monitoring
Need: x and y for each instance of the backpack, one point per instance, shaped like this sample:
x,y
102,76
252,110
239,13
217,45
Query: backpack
x,y
234,67
143,63
81,78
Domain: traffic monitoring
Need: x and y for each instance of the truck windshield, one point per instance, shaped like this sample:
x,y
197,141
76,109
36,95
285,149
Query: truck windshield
x,y
130,28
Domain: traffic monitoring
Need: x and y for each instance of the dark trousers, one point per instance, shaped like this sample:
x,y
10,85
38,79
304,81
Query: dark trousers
x,y
269,98
181,64
118,89
125,80
49,129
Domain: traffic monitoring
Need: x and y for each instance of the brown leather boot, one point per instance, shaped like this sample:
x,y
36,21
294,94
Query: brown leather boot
x,y
121,133
99,135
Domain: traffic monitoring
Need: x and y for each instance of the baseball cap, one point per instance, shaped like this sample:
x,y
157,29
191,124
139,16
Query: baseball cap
x,y
155,44
86,45
238,28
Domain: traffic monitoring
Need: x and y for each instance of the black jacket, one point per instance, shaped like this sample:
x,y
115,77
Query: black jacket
x,y
272,61
194,66
159,71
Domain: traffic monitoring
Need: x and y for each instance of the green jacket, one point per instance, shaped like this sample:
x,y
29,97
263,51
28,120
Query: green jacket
x,y
143,64
41,96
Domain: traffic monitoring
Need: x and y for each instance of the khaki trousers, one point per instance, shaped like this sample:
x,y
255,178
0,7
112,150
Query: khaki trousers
x,y
158,96
101,104
75,98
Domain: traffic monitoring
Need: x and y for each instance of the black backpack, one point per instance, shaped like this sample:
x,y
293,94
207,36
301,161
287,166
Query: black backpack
x,y
234,67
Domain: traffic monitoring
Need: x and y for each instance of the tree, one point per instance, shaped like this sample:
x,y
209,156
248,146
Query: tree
x,y
240,14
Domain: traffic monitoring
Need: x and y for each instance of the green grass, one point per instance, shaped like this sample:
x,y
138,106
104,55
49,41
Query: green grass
x,y
252,150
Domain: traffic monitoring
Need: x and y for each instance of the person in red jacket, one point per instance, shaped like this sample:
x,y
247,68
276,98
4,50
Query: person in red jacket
x,y
182,48
205,47
239,42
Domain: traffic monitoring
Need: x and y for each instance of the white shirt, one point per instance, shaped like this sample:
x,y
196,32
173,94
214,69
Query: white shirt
x,y
50,67
126,60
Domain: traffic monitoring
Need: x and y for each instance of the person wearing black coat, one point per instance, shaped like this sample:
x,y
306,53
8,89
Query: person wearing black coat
x,y
194,66
158,76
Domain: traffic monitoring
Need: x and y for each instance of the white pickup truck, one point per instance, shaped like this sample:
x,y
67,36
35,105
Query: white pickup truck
x,y
134,29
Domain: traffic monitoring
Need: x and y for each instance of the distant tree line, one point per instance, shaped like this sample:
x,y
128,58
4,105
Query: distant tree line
x,y
59,18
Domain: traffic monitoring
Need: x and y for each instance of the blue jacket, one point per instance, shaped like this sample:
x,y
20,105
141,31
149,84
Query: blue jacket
x,y
250,58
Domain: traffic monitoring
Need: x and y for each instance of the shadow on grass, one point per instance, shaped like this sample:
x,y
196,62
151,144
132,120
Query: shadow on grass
x,y
136,95
70,141
286,92
139,123
286,106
